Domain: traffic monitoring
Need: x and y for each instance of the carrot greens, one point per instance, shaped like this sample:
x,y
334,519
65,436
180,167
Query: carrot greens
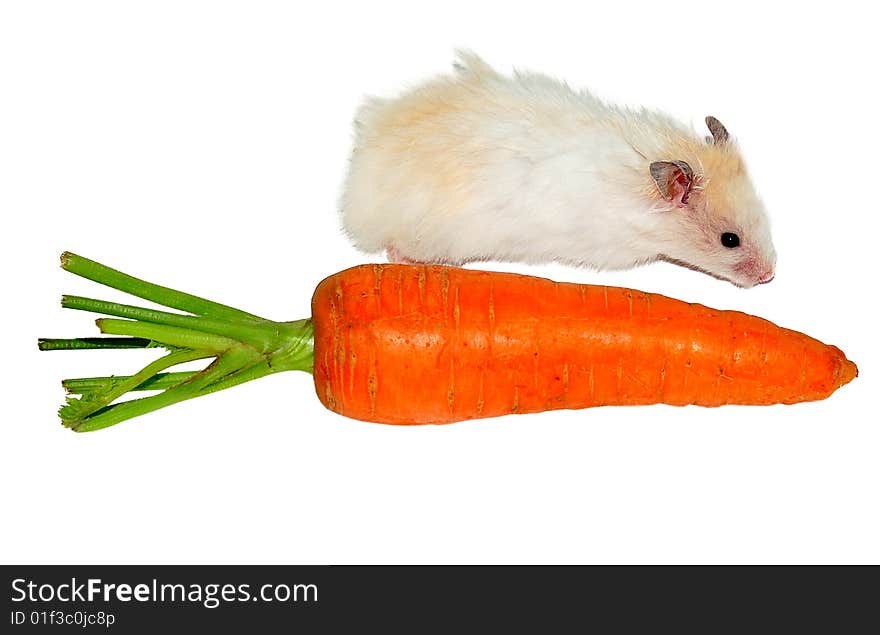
x,y
241,346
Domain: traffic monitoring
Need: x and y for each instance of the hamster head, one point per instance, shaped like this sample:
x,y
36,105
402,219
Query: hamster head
x,y
712,218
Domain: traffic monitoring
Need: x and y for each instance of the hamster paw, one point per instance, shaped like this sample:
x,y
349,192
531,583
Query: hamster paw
x,y
396,257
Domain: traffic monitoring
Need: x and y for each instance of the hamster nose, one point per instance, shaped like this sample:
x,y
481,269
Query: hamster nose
x,y
767,277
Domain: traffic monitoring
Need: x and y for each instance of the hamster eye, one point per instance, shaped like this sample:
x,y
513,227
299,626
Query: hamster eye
x,y
729,240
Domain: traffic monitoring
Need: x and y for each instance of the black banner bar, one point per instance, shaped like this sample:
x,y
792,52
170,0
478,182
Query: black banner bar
x,y
412,599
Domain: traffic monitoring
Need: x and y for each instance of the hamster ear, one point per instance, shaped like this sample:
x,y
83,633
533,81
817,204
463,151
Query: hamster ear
x,y
674,180
719,132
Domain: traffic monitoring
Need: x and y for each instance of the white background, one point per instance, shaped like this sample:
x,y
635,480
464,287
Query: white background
x,y
202,145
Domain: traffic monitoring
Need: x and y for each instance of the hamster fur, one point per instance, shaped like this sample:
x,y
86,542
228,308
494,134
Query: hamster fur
x,y
480,166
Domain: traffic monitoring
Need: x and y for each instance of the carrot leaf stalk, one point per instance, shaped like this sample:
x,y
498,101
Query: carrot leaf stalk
x,y
241,347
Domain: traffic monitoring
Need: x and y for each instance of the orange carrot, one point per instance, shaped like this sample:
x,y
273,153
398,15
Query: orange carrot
x,y
432,344
408,344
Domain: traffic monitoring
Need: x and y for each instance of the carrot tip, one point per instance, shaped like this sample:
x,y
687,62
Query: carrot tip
x,y
846,372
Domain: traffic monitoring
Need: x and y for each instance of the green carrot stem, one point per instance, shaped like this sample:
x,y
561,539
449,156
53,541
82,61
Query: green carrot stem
x,y
83,343
256,371
257,334
175,336
148,291
225,364
159,381
77,410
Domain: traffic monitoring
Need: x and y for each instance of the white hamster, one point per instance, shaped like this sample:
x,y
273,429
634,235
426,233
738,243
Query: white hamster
x,y
480,166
